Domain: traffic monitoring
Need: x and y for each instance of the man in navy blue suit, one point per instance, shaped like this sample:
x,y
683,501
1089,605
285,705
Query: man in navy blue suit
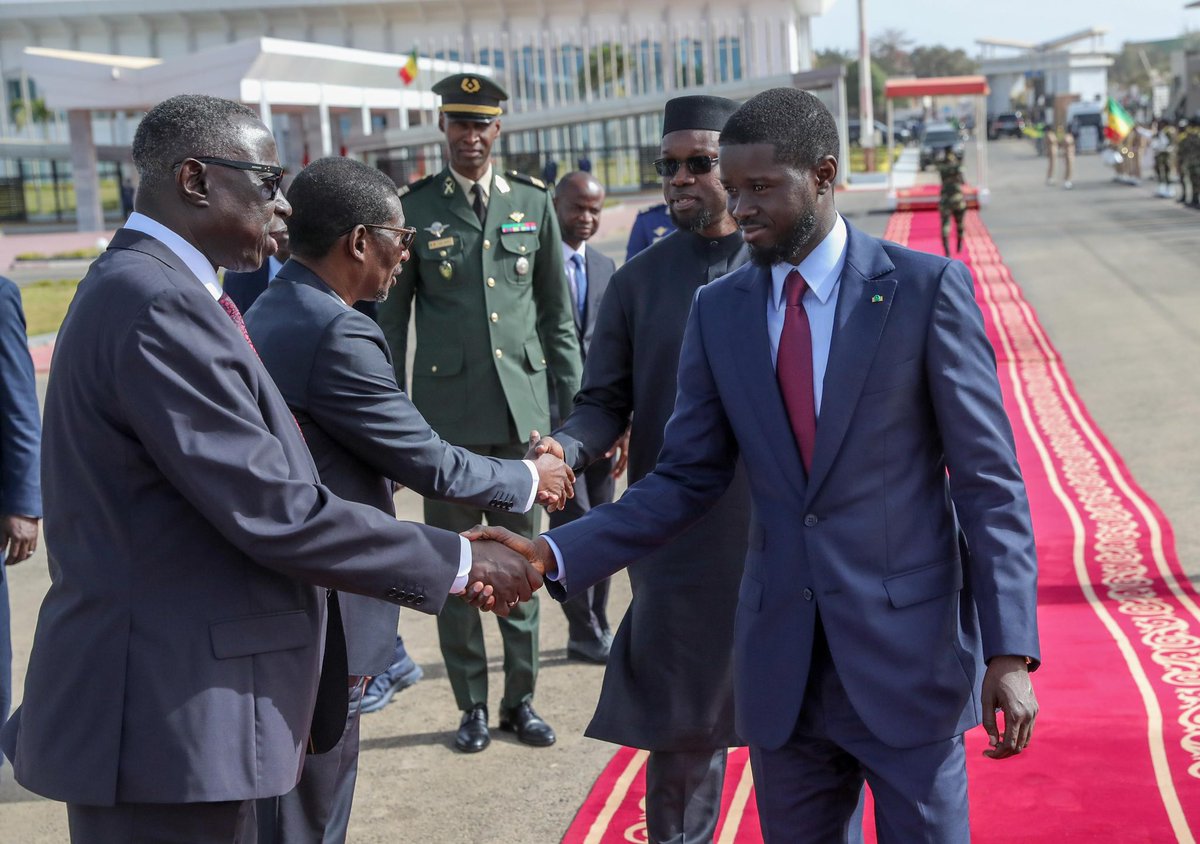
x,y
20,486
888,602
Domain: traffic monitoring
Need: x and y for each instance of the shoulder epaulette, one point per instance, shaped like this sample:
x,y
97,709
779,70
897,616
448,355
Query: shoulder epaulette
x,y
529,180
412,186
662,206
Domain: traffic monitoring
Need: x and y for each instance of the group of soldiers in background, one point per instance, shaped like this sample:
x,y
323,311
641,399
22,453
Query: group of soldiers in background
x,y
1164,142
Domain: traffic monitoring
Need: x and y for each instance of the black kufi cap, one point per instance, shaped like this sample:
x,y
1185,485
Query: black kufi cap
x,y
697,112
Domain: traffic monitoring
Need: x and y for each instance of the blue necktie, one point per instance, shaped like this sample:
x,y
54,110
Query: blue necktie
x,y
580,287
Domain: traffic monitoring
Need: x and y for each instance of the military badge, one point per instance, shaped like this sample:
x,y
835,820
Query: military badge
x,y
435,228
471,85
443,243
527,227
660,231
517,216
522,265
446,269
448,186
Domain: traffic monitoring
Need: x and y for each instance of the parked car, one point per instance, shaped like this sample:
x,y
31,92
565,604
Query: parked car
x,y
939,137
900,135
1007,124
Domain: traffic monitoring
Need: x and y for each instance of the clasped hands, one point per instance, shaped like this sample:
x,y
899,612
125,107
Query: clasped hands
x,y
506,568
556,481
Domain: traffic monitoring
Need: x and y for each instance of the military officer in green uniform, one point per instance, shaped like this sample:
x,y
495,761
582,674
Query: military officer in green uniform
x,y
952,202
494,328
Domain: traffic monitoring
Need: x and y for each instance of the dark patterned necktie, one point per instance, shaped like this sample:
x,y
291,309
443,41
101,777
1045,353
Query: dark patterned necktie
x,y
477,203
231,309
794,367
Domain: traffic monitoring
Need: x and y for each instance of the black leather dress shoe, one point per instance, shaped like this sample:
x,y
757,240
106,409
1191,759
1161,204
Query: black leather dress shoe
x,y
528,726
473,735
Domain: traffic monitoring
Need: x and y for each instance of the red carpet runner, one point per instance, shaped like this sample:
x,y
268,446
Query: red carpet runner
x,y
1116,751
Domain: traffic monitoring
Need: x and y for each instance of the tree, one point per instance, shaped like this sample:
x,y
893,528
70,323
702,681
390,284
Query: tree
x,y
941,61
35,112
878,78
890,50
606,64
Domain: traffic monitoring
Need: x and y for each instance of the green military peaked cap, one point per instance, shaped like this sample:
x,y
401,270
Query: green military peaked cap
x,y
470,96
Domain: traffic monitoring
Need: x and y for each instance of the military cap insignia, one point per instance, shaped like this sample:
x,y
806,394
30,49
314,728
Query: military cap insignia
x,y
471,85
516,216
448,186
435,228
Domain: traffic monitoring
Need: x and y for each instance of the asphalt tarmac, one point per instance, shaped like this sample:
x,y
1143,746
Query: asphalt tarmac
x,y
1112,273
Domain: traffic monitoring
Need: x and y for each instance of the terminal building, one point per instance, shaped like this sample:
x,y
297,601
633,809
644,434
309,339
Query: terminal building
x,y
1031,77
586,80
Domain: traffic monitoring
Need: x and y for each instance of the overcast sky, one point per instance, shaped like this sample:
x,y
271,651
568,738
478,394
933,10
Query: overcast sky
x,y
957,23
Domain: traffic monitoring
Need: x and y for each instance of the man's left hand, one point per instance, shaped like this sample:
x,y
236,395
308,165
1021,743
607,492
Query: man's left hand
x,y
18,538
1007,688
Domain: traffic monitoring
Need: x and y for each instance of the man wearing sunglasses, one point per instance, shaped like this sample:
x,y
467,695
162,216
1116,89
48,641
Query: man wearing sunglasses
x,y
176,670
667,687
494,326
334,368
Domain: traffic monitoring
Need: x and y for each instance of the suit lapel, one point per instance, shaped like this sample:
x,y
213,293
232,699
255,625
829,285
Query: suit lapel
x,y
864,302
753,351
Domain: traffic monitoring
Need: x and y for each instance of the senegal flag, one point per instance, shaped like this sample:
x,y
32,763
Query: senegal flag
x,y
408,72
1120,124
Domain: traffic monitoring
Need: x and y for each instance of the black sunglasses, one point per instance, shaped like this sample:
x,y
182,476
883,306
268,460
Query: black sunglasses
x,y
407,235
697,165
273,175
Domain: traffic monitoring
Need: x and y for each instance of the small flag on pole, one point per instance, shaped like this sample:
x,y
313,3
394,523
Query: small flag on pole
x,y
1120,124
408,71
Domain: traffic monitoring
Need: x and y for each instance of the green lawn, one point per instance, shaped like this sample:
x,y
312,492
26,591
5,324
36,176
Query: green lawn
x,y
45,304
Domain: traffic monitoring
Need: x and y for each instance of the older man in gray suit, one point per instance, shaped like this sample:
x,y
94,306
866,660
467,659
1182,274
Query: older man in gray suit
x,y
334,368
175,665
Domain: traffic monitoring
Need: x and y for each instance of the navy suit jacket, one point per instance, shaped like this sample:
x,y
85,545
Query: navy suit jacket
x,y
334,368
20,426
877,536
177,651
245,288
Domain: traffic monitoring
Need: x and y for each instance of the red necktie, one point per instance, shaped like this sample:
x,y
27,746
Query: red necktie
x,y
794,367
231,308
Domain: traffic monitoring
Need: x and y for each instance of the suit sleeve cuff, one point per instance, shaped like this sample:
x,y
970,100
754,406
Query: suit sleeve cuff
x,y
560,576
464,566
536,480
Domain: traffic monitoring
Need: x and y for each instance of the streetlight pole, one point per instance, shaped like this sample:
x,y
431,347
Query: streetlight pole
x,y
866,108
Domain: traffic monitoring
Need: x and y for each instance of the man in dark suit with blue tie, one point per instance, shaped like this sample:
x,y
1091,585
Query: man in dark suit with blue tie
x,y
889,597
178,670
20,486
335,371
578,204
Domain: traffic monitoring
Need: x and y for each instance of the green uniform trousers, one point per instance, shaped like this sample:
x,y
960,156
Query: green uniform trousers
x,y
460,627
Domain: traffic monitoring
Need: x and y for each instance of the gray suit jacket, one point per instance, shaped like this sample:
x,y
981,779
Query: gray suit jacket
x,y
177,651
334,368
911,533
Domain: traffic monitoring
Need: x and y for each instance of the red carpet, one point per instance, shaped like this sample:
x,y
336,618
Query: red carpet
x,y
925,197
1116,750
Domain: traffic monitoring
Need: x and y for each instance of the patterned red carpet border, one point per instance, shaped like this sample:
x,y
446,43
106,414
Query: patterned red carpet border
x,y
1116,753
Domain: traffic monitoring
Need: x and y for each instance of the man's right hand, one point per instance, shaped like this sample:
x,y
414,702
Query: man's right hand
x,y
556,480
537,551
509,574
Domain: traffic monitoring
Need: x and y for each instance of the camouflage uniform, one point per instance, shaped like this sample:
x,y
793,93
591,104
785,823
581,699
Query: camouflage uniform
x,y
1185,153
952,201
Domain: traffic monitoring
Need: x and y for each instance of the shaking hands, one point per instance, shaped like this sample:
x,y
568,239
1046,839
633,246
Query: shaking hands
x,y
506,568
556,481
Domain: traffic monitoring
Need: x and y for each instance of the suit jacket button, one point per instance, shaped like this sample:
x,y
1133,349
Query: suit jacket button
x,y
420,599
495,317
808,593
393,593
499,353
491,282
810,520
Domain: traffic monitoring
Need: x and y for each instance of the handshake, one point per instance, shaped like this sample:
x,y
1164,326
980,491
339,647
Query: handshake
x,y
507,568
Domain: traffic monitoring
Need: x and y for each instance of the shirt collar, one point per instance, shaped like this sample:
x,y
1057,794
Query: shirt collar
x,y
821,269
568,252
192,258
485,182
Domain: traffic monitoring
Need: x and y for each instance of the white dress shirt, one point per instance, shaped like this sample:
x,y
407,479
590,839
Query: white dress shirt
x,y
203,269
485,183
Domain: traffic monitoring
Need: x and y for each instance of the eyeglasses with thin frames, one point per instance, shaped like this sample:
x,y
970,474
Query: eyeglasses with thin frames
x,y
407,235
697,165
272,174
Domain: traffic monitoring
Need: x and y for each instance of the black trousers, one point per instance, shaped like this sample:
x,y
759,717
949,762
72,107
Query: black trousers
x,y
229,822
587,614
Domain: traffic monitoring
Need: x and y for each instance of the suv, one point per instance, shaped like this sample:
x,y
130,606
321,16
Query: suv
x,y
1010,123
939,137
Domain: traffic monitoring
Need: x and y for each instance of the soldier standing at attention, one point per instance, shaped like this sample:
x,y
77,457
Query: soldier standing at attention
x,y
1051,141
951,202
1184,143
494,326
1067,142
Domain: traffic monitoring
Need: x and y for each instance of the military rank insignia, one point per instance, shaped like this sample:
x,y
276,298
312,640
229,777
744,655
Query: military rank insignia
x,y
448,186
527,227
446,269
